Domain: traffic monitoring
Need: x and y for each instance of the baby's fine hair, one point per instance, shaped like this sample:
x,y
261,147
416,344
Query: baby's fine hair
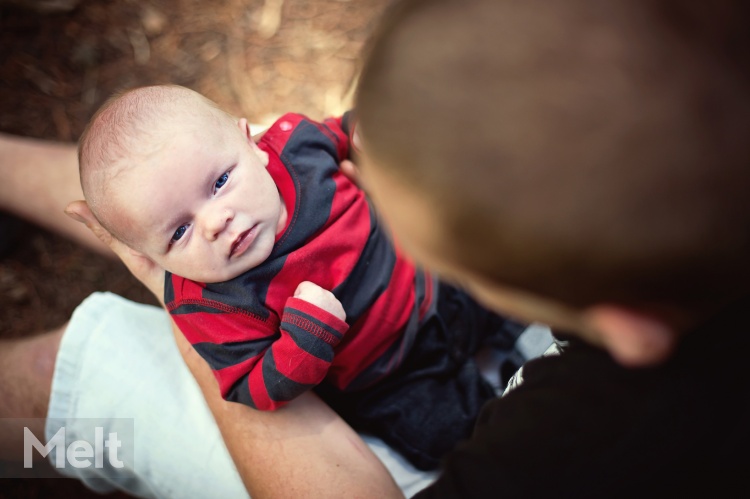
x,y
584,150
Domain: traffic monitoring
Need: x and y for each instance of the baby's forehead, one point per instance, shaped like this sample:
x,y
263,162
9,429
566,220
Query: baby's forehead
x,y
137,202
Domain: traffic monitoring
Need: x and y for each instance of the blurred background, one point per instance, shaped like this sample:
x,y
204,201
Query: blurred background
x,y
61,59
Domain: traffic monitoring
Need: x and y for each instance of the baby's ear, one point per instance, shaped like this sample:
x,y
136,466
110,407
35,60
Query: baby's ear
x,y
245,129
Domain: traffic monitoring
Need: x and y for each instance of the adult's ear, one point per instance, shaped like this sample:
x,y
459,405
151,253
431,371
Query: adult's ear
x,y
632,337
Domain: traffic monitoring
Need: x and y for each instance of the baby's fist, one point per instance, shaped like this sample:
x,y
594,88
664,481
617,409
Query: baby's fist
x,y
321,298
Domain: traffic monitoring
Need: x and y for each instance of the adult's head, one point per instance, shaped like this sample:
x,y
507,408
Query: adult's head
x,y
182,182
581,163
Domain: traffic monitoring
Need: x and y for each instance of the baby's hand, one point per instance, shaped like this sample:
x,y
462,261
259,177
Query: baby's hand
x,y
321,298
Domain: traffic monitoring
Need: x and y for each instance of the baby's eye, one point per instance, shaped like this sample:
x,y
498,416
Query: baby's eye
x,y
221,181
179,233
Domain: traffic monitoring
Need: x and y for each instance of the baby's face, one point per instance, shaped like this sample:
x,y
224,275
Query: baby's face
x,y
204,207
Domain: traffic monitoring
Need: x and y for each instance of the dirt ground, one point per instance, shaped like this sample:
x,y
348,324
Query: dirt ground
x,y
256,58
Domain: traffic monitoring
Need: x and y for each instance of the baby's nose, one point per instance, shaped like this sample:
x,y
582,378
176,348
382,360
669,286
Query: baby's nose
x,y
215,223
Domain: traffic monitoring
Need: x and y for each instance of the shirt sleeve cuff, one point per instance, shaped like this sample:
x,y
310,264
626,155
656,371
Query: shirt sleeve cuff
x,y
315,315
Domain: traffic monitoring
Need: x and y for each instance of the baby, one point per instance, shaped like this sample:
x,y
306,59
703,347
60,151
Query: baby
x,y
279,272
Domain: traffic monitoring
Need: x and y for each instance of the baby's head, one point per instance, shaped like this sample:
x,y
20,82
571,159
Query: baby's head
x,y
181,181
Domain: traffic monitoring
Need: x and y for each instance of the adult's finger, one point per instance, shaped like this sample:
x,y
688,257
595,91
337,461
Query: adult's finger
x,y
79,211
349,168
142,267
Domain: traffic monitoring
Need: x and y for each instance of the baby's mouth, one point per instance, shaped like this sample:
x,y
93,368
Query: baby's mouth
x,y
243,241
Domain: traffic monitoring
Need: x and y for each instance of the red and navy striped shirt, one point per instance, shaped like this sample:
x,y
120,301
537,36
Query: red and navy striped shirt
x,y
266,347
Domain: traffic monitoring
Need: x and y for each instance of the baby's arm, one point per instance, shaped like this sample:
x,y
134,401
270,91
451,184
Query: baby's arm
x,y
261,363
311,326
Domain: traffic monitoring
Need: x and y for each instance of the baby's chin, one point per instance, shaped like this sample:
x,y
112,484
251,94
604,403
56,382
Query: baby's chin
x,y
229,272
225,275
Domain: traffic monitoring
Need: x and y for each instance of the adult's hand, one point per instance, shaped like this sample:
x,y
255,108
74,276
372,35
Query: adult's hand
x,y
142,267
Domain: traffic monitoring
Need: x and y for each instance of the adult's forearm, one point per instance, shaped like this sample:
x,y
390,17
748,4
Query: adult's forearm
x,y
38,178
302,450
